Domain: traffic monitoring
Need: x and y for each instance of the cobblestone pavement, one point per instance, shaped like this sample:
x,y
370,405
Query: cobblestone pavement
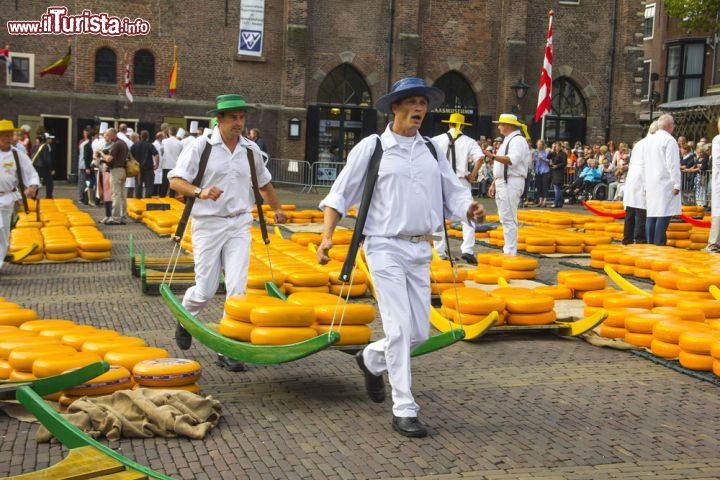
x,y
503,407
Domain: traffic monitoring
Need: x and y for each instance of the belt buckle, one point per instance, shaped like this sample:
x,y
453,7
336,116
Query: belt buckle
x,y
416,238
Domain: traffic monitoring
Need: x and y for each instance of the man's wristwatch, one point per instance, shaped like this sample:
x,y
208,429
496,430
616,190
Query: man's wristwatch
x,y
197,192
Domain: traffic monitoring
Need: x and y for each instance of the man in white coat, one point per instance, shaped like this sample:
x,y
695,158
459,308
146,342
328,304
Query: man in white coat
x,y
662,181
10,159
172,147
512,160
461,151
714,238
634,195
413,190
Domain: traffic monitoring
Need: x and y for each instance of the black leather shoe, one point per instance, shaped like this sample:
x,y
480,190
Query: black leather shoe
x,y
374,384
230,364
409,427
182,338
469,258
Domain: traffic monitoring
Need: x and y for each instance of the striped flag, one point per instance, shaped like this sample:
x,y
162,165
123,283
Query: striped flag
x,y
59,67
545,94
172,81
5,54
128,83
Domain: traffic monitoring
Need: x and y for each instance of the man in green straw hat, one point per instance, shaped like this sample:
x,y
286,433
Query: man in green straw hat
x,y
10,161
222,214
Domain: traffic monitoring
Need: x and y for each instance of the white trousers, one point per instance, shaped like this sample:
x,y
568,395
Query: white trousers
x,y
400,271
507,198
218,243
5,220
467,245
714,236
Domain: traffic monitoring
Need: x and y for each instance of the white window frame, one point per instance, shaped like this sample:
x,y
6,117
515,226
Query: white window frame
x,y
569,2
645,17
31,73
649,84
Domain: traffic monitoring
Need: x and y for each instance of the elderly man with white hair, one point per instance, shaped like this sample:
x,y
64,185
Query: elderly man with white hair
x,y
634,195
713,240
662,181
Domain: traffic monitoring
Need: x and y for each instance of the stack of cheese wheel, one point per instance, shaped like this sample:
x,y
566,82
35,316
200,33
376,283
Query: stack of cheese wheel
x,y
22,238
666,335
236,323
530,309
116,378
443,278
281,324
475,305
359,286
16,316
581,282
128,357
93,246
355,316
101,346
60,245
640,327
678,234
519,267
301,216
305,238
307,280
715,354
168,373
540,244
620,306
558,292
711,308
259,274
695,349
487,273
80,219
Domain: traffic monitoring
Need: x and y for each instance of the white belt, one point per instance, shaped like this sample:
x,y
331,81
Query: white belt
x,y
11,191
416,238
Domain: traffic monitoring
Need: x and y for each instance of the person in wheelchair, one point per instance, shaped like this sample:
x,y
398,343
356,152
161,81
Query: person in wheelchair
x,y
590,176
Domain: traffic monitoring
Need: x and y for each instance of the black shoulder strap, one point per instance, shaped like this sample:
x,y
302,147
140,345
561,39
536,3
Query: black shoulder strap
x,y
431,147
357,236
451,150
21,182
258,198
189,202
505,166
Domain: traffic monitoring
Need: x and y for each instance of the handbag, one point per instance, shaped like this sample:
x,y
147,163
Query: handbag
x,y
132,168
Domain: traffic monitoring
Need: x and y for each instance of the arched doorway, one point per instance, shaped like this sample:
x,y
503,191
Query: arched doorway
x,y
342,116
567,120
459,98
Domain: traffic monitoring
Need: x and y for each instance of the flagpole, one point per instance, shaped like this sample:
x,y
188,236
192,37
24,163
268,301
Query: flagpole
x,y
542,128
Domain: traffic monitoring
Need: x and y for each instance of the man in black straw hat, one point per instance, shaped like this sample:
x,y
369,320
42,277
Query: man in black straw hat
x,y
222,213
414,189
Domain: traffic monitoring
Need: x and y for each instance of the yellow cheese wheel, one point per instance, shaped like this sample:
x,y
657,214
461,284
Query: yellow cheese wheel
x,y
167,372
713,323
562,275
21,376
521,274
17,316
76,340
467,318
518,262
128,357
715,349
439,288
687,295
541,241
596,297
661,264
192,388
290,288
235,329
314,299
485,276
349,334
664,349
532,304
357,290
687,314
60,257
102,346
639,339
95,245
9,345
698,284
445,275
710,307
57,363
669,330
506,292
310,278
588,311
116,378
354,314
8,329
616,316
668,279
9,335
22,358
569,249
61,332
625,269
5,370
540,249
474,301
93,256
642,272
629,301
693,361
280,335
282,316
238,307
667,299
568,242
558,292
612,332
644,322
694,341
39,325
586,282
543,318
358,277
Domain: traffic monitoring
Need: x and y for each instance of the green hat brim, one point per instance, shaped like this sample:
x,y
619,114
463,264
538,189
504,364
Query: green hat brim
x,y
230,108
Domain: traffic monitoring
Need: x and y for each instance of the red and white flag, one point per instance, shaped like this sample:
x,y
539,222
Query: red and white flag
x,y
128,84
545,94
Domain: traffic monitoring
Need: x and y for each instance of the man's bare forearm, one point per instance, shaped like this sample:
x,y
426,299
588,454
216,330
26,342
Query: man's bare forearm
x,y
330,222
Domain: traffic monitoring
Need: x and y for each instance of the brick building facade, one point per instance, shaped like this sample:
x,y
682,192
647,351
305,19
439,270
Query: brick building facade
x,y
325,62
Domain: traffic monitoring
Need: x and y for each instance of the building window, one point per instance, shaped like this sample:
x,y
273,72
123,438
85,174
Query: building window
x,y
144,68
649,23
21,70
105,66
567,120
684,70
647,70
344,86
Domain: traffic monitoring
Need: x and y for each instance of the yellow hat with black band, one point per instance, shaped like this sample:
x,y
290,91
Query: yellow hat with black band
x,y
510,119
457,119
8,126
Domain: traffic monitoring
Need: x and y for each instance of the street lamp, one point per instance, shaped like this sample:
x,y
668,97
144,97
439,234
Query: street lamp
x,y
520,88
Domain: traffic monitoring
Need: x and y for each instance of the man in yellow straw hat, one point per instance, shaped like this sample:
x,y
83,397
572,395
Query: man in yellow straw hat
x,y
16,174
510,168
460,151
